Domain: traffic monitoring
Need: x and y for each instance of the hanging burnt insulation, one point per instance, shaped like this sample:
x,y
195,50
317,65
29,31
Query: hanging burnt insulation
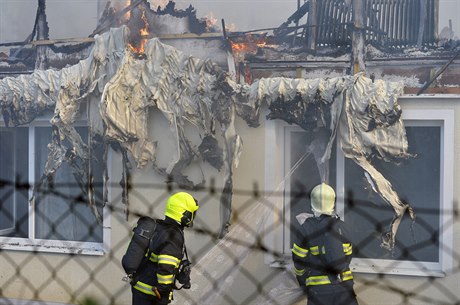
x,y
119,88
211,152
362,114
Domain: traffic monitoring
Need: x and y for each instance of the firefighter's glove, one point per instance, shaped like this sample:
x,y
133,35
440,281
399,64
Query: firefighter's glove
x,y
128,278
183,276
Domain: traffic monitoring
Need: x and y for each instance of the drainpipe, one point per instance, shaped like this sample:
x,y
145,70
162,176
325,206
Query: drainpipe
x,y
358,39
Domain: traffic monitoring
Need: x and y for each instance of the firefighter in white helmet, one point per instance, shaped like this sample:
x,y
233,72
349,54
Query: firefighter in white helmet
x,y
322,253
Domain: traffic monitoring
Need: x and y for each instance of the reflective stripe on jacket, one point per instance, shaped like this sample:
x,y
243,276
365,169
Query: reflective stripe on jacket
x,y
164,259
164,256
302,253
309,253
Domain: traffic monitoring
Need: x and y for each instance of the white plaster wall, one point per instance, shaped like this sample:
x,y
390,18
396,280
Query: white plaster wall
x,y
375,293
74,271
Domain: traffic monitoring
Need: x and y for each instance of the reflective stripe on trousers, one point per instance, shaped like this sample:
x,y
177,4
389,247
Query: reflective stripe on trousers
x,y
147,289
325,280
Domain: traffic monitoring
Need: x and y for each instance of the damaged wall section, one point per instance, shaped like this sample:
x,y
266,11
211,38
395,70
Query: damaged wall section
x,y
187,89
180,86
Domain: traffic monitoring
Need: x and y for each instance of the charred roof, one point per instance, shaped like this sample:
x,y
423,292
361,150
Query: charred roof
x,y
142,20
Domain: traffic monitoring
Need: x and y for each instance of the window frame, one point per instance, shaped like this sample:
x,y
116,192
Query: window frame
x,y
277,239
55,246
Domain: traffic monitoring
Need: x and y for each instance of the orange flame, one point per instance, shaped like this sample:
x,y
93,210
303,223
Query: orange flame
x,y
249,45
139,46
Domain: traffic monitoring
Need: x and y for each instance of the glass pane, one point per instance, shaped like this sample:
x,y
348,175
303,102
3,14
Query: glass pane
x,y
417,181
304,178
14,172
62,212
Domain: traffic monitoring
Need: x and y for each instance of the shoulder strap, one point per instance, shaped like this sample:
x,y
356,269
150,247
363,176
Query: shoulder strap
x,y
146,257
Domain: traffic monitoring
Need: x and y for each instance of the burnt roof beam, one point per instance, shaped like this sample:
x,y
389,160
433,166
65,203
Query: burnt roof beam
x,y
440,71
108,23
284,28
358,36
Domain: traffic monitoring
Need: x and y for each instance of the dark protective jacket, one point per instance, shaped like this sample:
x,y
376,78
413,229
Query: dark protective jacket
x,y
309,252
165,254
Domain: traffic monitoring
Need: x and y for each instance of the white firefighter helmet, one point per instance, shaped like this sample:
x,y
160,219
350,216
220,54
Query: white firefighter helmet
x,y
322,199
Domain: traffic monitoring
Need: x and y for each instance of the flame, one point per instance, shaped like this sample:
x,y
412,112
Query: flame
x,y
138,46
145,30
211,20
246,47
248,44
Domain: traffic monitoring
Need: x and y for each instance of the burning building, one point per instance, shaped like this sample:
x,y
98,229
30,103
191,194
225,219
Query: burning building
x,y
355,93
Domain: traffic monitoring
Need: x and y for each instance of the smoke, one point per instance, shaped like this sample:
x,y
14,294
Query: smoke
x,y
154,4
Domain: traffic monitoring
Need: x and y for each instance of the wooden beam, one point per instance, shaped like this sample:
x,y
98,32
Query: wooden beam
x,y
190,35
312,29
358,39
65,40
438,73
91,39
108,23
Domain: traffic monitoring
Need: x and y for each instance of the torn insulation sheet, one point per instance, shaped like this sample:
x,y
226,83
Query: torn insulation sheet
x,y
124,85
119,87
371,124
363,115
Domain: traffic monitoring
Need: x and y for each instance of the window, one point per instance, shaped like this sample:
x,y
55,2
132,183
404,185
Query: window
x,y
60,220
425,181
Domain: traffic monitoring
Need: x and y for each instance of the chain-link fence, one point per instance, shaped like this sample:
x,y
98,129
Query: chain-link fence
x,y
54,250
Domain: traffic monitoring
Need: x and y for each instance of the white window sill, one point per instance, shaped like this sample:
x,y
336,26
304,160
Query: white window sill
x,y
396,267
359,265
83,248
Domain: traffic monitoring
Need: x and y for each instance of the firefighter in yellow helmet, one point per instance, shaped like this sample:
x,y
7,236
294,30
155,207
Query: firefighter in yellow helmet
x,y
322,253
166,264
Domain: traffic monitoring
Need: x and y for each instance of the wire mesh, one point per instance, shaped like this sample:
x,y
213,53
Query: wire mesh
x,y
44,275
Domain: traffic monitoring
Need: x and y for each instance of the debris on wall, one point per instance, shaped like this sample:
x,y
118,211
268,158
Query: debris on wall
x,y
187,89
363,114
183,88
